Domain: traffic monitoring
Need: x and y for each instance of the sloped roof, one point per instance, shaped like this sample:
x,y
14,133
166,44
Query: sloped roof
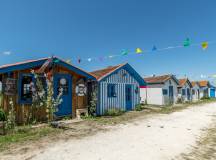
x,y
203,83
193,83
102,73
160,79
98,74
24,62
183,81
28,64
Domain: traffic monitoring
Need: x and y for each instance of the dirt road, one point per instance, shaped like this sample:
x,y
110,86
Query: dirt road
x,y
160,137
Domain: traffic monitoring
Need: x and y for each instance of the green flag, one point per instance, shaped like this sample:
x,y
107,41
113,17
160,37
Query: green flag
x,y
187,43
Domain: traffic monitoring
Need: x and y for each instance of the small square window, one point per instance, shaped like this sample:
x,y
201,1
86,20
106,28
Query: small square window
x,y
111,89
165,92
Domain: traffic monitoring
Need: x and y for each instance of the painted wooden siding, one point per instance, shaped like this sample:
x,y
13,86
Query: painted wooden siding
x,y
24,110
106,103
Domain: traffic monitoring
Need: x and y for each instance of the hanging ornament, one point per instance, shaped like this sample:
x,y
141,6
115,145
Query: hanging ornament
x,y
124,52
187,42
204,45
101,59
154,48
56,61
138,50
79,60
89,59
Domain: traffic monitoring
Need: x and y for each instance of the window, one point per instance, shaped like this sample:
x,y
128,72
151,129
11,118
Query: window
x,y
165,91
193,91
26,87
183,92
63,85
111,89
25,90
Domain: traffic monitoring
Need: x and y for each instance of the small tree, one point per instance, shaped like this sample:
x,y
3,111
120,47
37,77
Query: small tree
x,y
93,104
11,118
43,95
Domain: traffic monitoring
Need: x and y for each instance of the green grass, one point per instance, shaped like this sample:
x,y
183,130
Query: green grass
x,y
23,134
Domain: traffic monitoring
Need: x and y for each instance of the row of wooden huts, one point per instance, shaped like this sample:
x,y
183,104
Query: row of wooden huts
x,y
167,89
117,86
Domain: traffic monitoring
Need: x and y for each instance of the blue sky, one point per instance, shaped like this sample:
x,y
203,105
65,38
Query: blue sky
x,y
94,28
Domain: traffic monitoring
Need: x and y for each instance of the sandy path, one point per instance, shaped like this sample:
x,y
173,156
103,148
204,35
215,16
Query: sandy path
x,y
160,137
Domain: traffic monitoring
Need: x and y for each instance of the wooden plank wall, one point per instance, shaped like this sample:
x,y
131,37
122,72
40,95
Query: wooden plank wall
x,y
23,110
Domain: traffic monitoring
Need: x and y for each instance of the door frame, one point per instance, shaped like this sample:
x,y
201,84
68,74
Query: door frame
x,y
70,89
171,97
129,106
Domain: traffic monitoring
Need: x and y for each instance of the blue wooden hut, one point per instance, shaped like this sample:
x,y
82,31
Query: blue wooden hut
x,y
118,87
17,79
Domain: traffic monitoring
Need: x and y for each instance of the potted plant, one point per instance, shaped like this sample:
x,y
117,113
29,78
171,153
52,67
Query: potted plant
x,y
2,121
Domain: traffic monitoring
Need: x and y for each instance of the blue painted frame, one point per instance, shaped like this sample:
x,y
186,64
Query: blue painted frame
x,y
21,75
128,103
69,96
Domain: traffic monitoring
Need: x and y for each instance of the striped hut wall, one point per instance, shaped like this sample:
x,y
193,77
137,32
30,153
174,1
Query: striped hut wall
x,y
119,101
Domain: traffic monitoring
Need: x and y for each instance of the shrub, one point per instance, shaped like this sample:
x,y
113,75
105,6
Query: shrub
x,y
138,107
179,100
2,115
114,112
205,98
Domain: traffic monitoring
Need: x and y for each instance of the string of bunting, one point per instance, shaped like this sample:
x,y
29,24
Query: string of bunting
x,y
139,51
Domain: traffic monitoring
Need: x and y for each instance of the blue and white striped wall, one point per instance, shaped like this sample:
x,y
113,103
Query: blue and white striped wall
x,y
120,79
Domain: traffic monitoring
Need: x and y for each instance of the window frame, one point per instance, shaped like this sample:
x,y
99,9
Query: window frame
x,y
111,90
20,88
21,75
165,93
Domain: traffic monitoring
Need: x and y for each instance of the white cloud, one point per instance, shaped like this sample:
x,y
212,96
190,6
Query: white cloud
x,y
7,53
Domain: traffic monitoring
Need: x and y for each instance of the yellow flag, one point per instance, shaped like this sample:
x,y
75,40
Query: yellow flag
x,y
138,50
204,45
68,61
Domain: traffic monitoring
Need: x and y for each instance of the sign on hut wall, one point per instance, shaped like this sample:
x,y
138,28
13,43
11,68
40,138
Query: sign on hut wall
x,y
10,86
81,88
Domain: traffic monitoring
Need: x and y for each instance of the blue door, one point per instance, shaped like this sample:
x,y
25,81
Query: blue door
x,y
212,92
171,97
128,96
188,94
63,81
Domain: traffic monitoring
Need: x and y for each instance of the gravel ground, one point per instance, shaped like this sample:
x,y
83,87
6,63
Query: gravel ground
x,y
160,137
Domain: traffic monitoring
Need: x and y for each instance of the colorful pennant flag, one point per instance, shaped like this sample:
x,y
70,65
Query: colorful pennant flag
x,y
124,52
154,48
187,43
79,60
138,50
68,61
204,45
101,59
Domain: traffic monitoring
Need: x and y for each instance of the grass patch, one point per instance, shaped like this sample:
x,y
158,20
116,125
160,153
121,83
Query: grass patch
x,y
144,110
22,134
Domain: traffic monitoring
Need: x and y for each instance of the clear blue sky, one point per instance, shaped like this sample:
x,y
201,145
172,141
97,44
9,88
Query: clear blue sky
x,y
93,28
